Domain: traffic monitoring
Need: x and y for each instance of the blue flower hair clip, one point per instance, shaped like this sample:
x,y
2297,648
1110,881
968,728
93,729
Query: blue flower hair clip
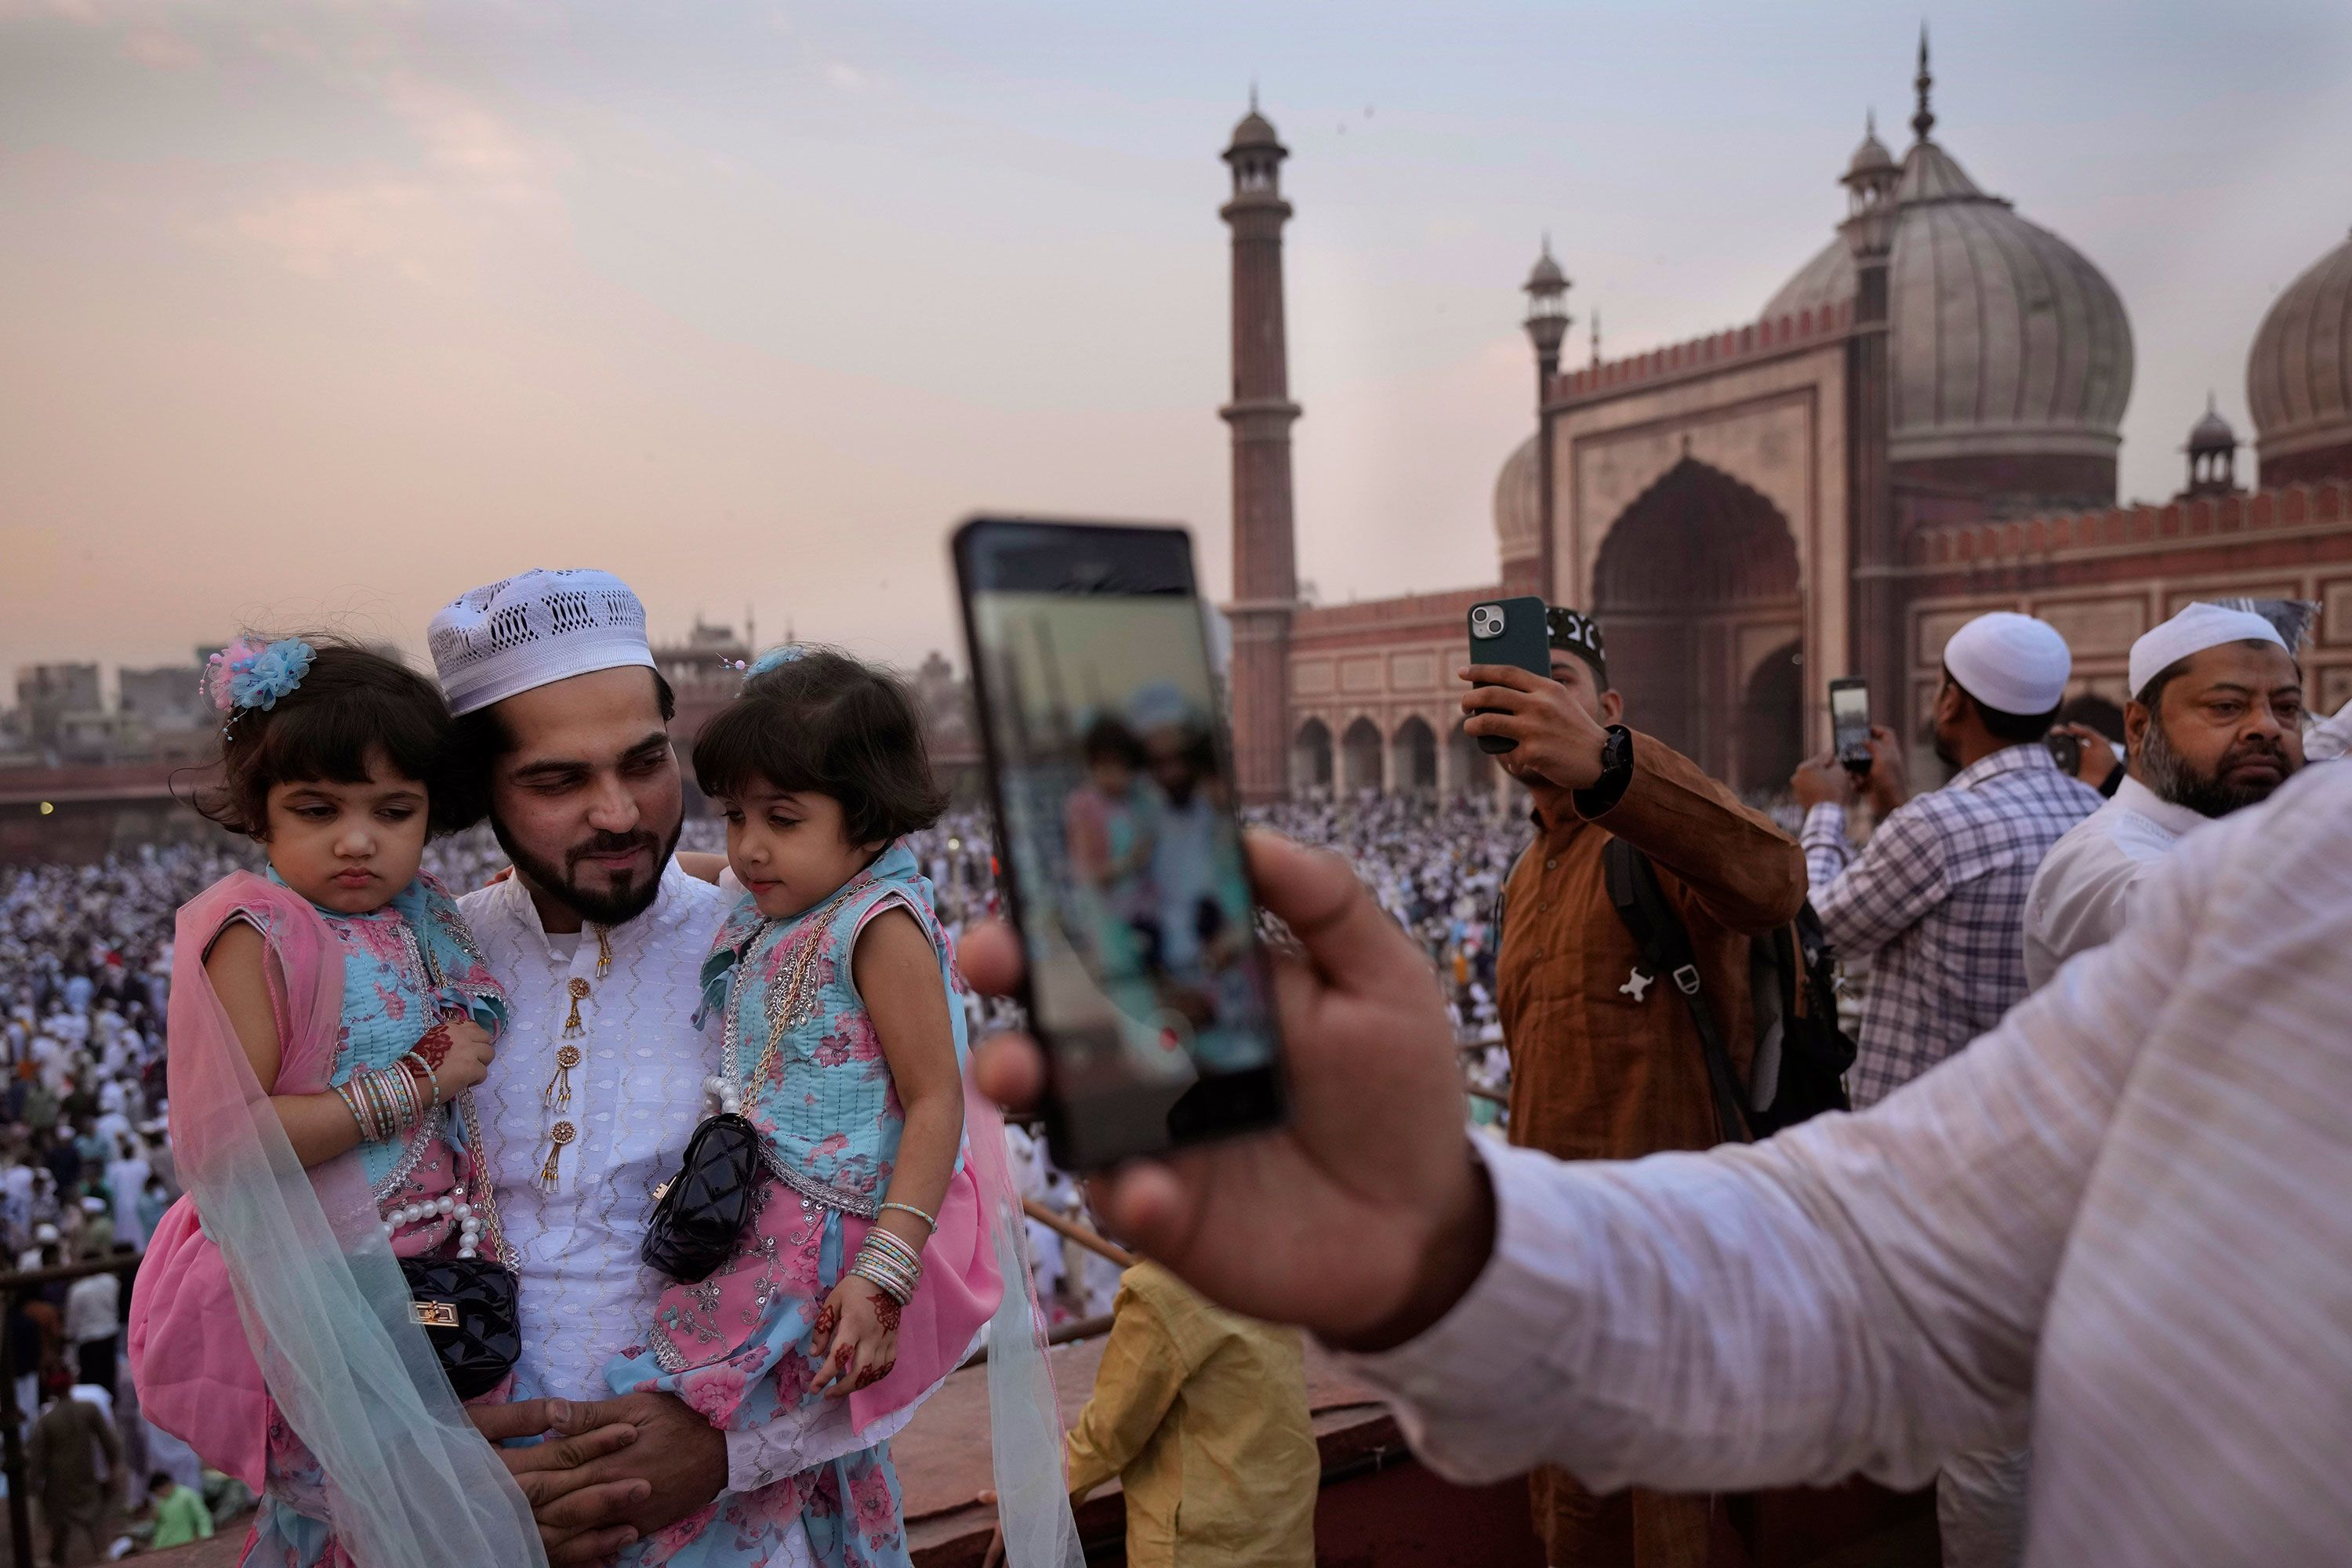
x,y
247,674
775,659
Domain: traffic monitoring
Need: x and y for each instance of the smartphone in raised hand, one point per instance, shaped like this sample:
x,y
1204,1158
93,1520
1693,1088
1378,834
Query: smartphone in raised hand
x,y
1513,632
1850,723
1111,775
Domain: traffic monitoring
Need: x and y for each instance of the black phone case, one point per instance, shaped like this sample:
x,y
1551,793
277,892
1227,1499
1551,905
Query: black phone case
x,y
1069,1147
1523,642
1855,759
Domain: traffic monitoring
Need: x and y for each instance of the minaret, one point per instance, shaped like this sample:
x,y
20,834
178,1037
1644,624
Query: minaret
x,y
1874,612
1265,569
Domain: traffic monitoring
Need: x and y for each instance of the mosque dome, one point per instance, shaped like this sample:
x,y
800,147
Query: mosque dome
x,y
1518,505
2007,343
1253,129
2211,432
2299,373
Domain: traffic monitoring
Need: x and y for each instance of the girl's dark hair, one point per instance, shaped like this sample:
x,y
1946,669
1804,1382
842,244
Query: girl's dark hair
x,y
826,724
1107,740
351,702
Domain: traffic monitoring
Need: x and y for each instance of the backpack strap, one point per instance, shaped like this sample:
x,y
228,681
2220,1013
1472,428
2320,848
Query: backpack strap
x,y
1665,951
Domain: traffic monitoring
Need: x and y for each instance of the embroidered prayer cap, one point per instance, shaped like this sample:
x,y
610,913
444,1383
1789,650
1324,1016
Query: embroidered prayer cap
x,y
2011,663
2192,631
1573,631
528,630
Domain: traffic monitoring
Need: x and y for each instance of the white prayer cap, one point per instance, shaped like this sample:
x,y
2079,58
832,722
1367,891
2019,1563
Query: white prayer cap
x,y
534,628
2192,631
2011,663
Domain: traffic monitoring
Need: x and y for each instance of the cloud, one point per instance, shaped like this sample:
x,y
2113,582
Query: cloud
x,y
160,48
846,76
320,232
472,179
463,139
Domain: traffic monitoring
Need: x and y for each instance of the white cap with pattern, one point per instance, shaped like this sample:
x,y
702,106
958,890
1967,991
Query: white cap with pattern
x,y
538,627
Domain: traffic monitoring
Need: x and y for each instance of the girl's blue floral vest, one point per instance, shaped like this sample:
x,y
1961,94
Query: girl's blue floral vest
x,y
822,1095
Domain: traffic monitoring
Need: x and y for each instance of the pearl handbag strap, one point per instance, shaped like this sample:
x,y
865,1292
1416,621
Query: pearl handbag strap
x,y
485,1199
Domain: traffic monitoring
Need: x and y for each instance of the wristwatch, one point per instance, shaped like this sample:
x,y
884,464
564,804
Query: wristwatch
x,y
1616,773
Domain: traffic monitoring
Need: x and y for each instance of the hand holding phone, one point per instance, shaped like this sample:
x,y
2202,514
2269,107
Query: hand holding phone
x,y
1111,776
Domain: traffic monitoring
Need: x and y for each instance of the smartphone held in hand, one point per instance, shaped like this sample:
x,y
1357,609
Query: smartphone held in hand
x,y
1850,723
1120,848
1513,632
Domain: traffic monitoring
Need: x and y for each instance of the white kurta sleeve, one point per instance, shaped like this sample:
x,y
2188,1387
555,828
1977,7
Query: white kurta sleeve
x,y
1861,1294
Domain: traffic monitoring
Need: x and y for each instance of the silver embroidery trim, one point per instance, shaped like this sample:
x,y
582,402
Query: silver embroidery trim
x,y
808,1186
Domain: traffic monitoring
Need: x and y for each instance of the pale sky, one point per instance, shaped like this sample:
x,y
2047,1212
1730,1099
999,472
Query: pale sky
x,y
322,313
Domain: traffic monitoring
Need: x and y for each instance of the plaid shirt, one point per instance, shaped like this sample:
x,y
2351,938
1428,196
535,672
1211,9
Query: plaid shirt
x,y
1936,902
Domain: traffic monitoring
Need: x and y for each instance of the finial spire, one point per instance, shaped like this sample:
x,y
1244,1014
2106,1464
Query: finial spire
x,y
1924,120
1253,94
1596,335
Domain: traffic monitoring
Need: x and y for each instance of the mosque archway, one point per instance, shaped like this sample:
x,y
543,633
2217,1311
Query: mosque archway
x,y
1360,758
1310,756
1773,719
1473,772
1694,576
1412,757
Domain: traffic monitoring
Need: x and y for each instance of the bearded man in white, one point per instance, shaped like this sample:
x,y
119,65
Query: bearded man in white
x,y
2214,724
598,938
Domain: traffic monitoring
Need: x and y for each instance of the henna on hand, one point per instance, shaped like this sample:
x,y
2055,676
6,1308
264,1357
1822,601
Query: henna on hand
x,y
886,1309
432,1048
828,1318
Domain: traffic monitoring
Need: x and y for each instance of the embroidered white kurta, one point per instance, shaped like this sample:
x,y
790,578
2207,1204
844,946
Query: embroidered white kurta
x,y
637,1096
2082,891
2126,1205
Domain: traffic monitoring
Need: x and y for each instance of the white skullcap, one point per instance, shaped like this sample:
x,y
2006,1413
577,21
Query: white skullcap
x,y
534,628
2192,631
2011,663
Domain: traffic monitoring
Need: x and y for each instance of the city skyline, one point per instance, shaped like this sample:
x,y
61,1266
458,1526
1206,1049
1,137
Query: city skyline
x,y
325,318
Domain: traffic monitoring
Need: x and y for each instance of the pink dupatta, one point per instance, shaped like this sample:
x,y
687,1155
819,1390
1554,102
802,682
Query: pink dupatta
x,y
301,1261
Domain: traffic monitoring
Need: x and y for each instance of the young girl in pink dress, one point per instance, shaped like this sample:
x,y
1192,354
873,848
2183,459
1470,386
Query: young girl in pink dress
x,y
326,1022
869,1266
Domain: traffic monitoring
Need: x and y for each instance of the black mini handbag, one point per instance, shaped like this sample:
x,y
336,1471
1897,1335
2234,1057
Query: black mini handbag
x,y
702,1211
701,1214
467,1307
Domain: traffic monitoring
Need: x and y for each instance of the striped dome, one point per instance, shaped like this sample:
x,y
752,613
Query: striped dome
x,y
2299,373
2006,340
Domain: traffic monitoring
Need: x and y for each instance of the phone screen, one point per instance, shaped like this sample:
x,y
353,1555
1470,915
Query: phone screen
x,y
1850,720
1112,775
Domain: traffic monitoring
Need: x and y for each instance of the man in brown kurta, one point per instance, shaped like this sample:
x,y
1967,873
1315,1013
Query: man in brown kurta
x,y
1605,1061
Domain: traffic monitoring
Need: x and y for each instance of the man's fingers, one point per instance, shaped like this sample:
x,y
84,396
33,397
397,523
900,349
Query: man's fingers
x,y
1145,1205
1350,938
1011,1070
523,1418
574,1451
989,956
596,1505
577,1416
1507,675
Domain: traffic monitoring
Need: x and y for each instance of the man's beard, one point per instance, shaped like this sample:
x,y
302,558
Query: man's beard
x,y
616,906
2173,777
